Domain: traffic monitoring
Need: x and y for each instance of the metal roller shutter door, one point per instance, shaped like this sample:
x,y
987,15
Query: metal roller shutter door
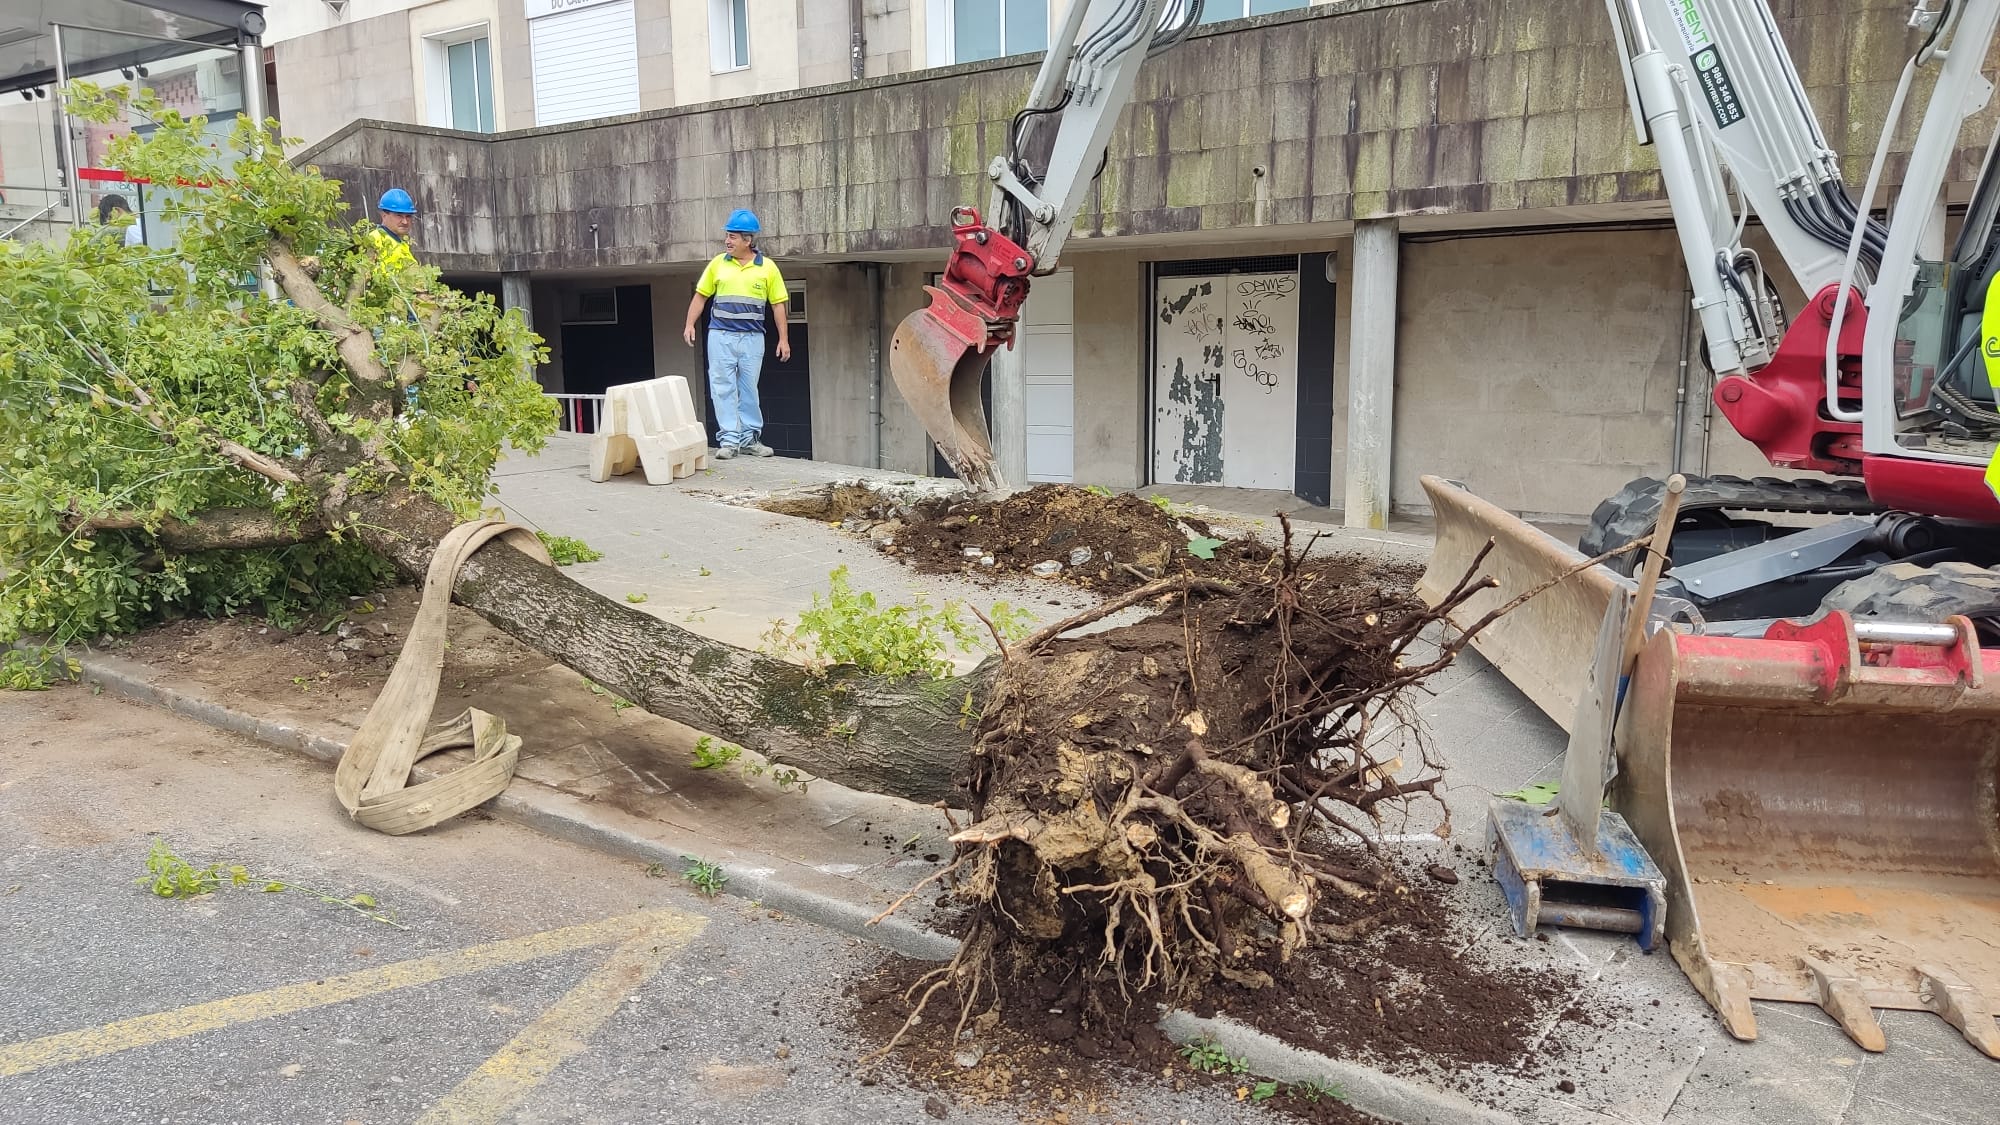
x,y
586,63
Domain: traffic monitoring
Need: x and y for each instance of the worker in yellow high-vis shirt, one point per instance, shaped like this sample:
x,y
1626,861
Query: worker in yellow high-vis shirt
x,y
396,217
744,285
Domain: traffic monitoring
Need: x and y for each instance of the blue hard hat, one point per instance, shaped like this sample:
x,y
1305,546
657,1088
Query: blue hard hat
x,y
742,221
396,201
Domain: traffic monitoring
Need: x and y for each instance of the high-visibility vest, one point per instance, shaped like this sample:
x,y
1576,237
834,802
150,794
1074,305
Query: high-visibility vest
x,y
392,254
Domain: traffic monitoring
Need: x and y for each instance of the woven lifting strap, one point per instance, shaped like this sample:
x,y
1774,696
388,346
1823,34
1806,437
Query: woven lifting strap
x,y
373,777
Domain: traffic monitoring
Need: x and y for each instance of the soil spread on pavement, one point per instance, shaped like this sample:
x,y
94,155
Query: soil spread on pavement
x,y
1404,998
1107,542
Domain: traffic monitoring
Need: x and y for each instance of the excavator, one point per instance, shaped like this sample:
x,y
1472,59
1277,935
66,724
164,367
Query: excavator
x,y
1808,740
1808,743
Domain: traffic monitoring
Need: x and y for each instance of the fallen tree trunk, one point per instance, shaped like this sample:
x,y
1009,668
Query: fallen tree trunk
x,y
906,737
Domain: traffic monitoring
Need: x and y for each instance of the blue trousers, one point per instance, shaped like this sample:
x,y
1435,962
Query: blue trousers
x,y
735,360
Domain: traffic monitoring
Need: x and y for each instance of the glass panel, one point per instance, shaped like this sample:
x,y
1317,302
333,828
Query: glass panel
x,y
975,30
1923,337
1027,26
739,20
464,91
1266,7
1215,11
483,71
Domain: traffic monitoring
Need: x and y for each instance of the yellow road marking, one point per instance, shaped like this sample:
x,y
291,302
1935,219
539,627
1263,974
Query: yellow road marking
x,y
503,1080
666,927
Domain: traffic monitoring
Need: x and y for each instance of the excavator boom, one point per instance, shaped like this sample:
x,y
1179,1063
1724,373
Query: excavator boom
x,y
1055,147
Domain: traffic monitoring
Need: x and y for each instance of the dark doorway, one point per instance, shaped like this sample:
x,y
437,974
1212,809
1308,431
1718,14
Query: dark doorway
x,y
784,390
607,343
1314,442
939,466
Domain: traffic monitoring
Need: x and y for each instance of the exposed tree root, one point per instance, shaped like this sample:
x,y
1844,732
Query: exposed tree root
x,y
1170,802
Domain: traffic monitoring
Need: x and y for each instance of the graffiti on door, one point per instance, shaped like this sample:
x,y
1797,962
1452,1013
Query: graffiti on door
x,y
1188,365
1225,379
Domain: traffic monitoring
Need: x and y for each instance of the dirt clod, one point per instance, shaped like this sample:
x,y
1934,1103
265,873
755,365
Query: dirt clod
x,y
1566,1086
1442,874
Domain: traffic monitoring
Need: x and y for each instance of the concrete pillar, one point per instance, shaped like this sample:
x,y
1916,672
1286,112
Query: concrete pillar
x,y
1010,411
515,294
1371,374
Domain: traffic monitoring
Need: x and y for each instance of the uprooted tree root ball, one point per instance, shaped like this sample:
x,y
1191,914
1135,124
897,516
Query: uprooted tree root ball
x,y
1189,798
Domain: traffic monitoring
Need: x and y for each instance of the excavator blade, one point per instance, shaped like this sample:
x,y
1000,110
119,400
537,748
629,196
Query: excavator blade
x,y
1821,803
1546,645
937,360
1823,807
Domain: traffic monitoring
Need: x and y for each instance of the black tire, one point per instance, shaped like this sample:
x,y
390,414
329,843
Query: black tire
x,y
1632,512
1908,592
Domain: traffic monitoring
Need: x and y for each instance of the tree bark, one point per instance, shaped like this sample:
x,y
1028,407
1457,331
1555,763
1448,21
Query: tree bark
x,y
218,529
906,737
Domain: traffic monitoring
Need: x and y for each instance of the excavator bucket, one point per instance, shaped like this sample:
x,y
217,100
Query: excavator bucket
x,y
938,357
1546,645
1822,803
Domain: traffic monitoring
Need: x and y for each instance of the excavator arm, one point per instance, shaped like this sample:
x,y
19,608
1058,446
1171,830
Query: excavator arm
x,y
1054,150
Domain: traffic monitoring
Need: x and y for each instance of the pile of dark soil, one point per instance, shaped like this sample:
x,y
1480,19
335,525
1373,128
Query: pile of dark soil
x,y
1107,543
1400,997
1404,994
1100,541
1036,1054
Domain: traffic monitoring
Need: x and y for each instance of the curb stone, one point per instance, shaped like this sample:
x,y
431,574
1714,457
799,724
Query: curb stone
x,y
758,878
751,876
1372,1091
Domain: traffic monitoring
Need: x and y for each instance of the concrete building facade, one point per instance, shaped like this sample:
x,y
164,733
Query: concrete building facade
x,y
545,62
1332,249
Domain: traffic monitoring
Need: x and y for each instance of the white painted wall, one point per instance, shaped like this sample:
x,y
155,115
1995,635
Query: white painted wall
x,y
774,53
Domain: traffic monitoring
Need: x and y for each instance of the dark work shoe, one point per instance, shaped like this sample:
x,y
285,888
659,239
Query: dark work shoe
x,y
725,453
758,449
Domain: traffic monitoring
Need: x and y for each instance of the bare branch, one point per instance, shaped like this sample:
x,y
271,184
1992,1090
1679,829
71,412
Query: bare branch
x,y
1177,585
991,628
256,462
215,529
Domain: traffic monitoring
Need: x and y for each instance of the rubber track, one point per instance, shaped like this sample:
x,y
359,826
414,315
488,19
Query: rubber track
x,y
1908,592
1631,513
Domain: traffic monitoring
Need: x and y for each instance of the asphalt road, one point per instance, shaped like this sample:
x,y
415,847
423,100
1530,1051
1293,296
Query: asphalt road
x,y
530,980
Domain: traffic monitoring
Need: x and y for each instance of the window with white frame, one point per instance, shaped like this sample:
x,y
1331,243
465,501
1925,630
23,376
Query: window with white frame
x,y
728,35
1215,11
963,31
459,77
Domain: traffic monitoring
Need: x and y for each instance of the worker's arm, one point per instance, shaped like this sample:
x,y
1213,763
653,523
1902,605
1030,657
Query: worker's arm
x,y
784,331
694,313
703,290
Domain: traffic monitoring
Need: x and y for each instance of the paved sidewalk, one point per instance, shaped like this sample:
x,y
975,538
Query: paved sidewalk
x,y
622,781
727,570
